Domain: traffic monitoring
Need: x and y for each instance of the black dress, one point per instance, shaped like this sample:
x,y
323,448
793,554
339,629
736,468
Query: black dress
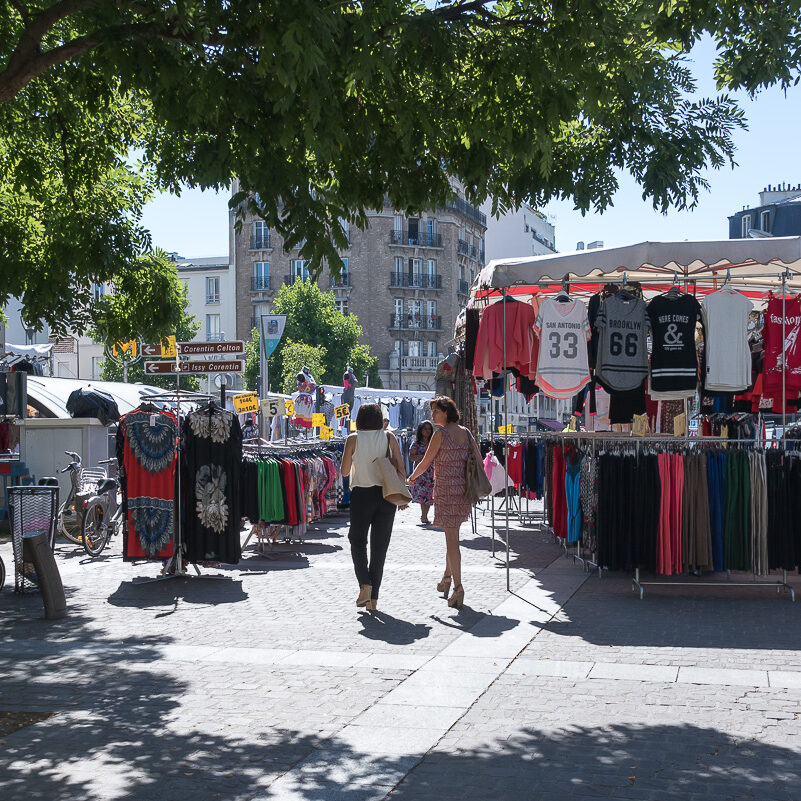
x,y
212,459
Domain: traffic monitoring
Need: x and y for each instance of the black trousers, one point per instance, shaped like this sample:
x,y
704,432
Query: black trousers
x,y
370,513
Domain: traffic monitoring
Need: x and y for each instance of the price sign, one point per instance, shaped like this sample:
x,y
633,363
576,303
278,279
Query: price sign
x,y
640,426
318,419
510,429
247,402
273,407
679,424
352,425
290,407
326,432
342,411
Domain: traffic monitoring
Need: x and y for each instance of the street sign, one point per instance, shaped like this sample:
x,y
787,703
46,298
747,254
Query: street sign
x,y
168,351
273,407
272,329
125,350
246,402
210,348
341,411
234,366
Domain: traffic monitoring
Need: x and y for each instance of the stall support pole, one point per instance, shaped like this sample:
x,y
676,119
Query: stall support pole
x,y
784,356
506,444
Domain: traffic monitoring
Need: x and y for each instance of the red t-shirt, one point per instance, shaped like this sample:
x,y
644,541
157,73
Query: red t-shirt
x,y
774,347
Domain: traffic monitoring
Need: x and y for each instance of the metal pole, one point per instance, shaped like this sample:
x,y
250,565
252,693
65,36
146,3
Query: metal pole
x,y
784,355
506,443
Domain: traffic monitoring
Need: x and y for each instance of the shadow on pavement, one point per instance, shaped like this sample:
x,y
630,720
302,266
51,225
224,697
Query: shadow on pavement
x,y
193,591
389,629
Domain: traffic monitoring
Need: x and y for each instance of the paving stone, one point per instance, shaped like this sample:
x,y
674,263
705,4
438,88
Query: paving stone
x,y
612,670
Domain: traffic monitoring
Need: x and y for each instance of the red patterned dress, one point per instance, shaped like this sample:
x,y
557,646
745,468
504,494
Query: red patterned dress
x,y
451,507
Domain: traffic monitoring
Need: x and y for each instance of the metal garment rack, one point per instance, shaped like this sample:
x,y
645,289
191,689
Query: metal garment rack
x,y
175,566
662,280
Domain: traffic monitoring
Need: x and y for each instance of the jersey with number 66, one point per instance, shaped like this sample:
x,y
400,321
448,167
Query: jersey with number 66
x,y
563,329
622,342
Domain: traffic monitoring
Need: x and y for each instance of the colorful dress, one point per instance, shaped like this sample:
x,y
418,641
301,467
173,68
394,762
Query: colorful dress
x,y
451,507
422,490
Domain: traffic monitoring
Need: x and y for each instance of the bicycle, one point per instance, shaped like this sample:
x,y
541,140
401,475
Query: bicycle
x,y
102,515
70,513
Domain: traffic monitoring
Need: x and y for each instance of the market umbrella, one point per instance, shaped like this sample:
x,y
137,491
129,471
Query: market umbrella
x,y
90,402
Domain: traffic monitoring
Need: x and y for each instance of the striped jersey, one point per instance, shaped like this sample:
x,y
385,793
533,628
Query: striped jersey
x,y
674,362
622,342
563,330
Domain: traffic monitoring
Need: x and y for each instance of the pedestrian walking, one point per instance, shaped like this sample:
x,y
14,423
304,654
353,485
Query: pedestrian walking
x,y
448,452
370,514
423,488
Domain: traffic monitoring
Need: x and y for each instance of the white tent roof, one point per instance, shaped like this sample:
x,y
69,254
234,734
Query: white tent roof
x,y
51,394
757,262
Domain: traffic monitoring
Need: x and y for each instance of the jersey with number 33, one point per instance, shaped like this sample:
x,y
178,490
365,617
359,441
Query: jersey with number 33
x,y
563,330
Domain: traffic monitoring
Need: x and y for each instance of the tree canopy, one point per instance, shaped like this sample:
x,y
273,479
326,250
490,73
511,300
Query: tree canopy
x,y
326,110
314,321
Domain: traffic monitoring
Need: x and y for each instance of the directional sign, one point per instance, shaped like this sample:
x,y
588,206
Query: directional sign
x,y
247,402
167,351
207,348
235,366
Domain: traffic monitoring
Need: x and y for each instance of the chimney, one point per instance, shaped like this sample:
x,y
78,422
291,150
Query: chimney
x,y
579,246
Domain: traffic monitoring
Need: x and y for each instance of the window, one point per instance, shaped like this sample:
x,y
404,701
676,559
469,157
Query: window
x,y
432,348
432,308
397,348
261,235
342,305
431,267
97,291
345,267
414,230
398,311
417,270
397,278
97,366
415,348
765,222
746,223
213,290
431,228
415,313
398,224
345,225
213,327
261,275
299,270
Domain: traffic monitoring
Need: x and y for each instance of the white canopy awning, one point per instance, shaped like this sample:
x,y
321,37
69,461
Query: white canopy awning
x,y
758,262
29,350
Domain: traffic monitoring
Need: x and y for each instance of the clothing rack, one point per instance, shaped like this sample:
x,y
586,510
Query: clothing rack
x,y
175,566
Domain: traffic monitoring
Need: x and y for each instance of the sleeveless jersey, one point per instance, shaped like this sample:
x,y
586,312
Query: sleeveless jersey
x,y
622,343
674,362
563,330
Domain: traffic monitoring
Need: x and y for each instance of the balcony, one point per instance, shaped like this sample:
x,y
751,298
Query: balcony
x,y
469,210
261,242
463,288
214,336
423,364
421,239
462,247
415,322
290,279
415,281
260,283
342,282
212,300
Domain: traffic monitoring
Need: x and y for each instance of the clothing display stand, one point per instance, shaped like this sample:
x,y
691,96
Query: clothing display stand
x,y
613,277
175,566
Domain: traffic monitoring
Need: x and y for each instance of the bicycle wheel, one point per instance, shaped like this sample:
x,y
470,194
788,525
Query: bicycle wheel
x,y
95,530
68,525
2,573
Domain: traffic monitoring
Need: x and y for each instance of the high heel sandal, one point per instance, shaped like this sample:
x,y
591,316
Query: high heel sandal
x,y
444,585
364,595
457,598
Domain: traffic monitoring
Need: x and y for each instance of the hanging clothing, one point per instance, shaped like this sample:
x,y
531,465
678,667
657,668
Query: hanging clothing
x,y
563,330
146,455
622,344
716,472
782,352
520,340
727,356
559,500
212,460
674,360
759,513
572,500
737,529
696,534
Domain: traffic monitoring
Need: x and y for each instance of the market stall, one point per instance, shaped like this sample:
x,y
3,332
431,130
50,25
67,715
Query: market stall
x,y
528,316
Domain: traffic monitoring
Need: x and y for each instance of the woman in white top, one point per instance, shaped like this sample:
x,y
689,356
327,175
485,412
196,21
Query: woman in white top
x,y
369,512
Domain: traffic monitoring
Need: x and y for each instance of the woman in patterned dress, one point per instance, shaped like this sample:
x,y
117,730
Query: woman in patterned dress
x,y
448,452
423,489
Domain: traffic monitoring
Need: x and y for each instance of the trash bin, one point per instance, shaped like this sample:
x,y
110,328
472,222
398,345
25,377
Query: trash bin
x,y
33,512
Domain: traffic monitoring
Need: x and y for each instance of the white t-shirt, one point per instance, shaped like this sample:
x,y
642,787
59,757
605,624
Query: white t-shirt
x,y
563,367
726,351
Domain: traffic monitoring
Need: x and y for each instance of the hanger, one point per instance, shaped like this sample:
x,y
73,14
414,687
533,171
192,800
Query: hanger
x,y
675,289
564,293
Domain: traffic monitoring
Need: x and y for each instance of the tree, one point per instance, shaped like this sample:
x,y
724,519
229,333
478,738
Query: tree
x,y
326,110
297,355
313,318
253,361
121,310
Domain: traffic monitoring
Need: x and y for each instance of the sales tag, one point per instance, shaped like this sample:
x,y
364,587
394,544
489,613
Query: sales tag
x,y
342,411
326,432
679,425
510,429
640,425
247,402
290,407
352,425
273,407
318,419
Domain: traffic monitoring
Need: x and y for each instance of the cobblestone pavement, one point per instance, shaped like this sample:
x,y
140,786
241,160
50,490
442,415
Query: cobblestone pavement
x,y
269,685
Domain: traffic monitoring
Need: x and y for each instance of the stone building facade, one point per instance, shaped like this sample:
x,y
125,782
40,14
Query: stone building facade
x,y
407,280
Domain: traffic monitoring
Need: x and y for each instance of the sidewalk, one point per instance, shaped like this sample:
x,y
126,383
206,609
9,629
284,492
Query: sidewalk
x,y
270,685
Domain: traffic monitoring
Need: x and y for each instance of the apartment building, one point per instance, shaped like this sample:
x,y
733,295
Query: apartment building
x,y
406,278
211,291
524,232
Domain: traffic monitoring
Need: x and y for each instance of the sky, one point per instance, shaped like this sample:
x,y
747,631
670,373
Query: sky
x,y
196,223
